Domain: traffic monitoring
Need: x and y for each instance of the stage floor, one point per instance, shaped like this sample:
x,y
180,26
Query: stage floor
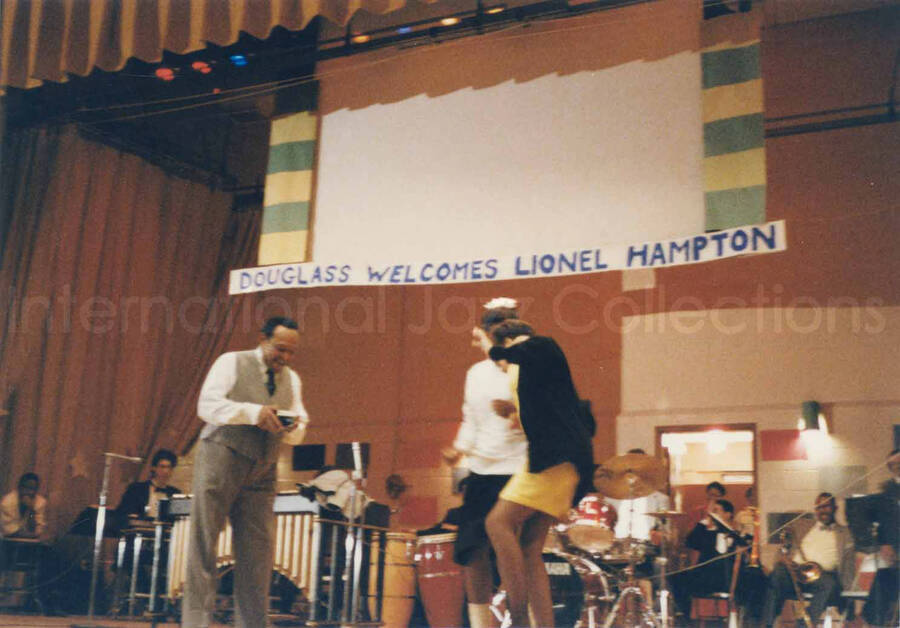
x,y
34,621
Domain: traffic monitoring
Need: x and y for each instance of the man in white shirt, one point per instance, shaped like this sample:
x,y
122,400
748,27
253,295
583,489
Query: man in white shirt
x,y
831,546
251,403
494,447
632,520
23,513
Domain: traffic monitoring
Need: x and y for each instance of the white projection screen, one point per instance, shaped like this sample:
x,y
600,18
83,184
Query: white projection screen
x,y
567,134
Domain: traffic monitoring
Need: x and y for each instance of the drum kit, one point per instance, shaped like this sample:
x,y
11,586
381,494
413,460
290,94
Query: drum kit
x,y
592,573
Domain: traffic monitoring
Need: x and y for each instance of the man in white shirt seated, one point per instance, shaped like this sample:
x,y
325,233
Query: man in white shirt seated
x,y
23,513
632,518
828,544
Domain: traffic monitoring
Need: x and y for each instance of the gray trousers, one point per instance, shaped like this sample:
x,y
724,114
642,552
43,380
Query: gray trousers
x,y
228,484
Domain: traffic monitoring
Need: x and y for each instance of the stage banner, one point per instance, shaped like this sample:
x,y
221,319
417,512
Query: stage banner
x,y
707,247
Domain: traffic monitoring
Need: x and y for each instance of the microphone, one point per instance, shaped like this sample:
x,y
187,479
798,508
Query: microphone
x,y
121,457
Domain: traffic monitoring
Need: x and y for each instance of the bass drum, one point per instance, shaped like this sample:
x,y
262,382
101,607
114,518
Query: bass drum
x,y
581,592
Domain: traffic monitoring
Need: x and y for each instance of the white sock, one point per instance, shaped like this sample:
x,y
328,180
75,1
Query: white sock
x,y
480,615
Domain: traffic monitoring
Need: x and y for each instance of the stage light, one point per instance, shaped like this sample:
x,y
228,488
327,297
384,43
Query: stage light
x,y
403,30
450,21
165,74
201,66
811,417
360,39
238,60
495,10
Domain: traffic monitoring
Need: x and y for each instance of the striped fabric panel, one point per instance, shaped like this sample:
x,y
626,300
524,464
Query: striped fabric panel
x,y
285,223
733,136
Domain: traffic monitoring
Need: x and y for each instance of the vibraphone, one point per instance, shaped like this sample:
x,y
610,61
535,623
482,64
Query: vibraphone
x,y
295,550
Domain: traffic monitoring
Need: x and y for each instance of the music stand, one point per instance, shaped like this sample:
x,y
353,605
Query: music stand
x,y
862,513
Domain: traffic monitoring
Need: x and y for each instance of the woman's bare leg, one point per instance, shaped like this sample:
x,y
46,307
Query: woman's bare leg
x,y
477,576
504,524
534,534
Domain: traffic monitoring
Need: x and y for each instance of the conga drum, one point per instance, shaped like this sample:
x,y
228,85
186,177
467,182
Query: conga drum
x,y
399,580
440,580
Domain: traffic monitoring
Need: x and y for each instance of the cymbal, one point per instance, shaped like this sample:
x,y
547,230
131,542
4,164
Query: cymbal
x,y
667,514
630,476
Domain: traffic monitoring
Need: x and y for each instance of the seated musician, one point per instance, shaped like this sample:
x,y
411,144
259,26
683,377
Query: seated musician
x,y
712,536
830,546
141,499
884,596
23,513
714,492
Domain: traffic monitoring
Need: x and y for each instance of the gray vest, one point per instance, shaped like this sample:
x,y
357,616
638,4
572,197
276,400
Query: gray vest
x,y
250,386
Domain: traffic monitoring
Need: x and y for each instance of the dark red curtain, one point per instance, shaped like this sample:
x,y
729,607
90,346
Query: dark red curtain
x,y
114,275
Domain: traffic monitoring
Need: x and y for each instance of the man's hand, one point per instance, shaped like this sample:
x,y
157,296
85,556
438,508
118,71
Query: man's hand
x,y
267,420
451,455
503,408
27,502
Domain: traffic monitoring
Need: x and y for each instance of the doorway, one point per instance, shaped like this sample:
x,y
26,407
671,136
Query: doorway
x,y
701,454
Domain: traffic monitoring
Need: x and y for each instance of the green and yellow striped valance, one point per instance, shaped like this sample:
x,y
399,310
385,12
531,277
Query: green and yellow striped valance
x,y
284,236
734,157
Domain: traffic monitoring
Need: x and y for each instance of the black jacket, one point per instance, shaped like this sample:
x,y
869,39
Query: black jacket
x,y
888,514
135,499
552,416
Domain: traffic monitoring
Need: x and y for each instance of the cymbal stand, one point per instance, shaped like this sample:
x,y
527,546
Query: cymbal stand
x,y
665,596
99,527
631,591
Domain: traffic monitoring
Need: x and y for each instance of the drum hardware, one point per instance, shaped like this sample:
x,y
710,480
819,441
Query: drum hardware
x,y
581,591
631,476
100,525
666,602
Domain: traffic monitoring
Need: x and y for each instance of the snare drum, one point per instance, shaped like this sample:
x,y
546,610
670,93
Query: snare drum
x,y
440,580
399,581
592,525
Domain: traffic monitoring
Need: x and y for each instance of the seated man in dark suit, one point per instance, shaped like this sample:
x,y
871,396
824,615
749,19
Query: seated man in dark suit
x,y
712,538
141,499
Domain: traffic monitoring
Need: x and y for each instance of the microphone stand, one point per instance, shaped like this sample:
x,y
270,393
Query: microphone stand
x,y
99,527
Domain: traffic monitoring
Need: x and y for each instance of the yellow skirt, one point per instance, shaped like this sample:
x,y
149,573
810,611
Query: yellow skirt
x,y
550,491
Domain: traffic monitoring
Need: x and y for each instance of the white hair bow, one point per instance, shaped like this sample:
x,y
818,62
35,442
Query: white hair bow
x,y
501,302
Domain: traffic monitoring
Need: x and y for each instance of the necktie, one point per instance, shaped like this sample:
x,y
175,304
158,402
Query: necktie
x,y
270,381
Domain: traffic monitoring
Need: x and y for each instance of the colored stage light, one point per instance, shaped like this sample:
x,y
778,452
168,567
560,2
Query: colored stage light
x,y
360,39
450,21
495,10
403,30
165,74
238,60
201,66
